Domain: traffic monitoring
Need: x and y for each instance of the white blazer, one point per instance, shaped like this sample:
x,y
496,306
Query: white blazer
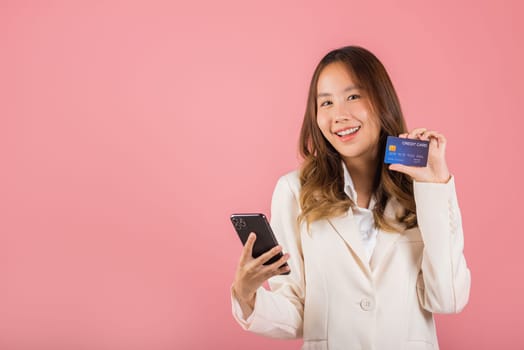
x,y
336,300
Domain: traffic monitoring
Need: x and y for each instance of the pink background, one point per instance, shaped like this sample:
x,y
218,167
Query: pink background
x,y
129,131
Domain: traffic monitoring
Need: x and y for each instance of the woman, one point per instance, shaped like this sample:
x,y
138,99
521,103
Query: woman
x,y
373,250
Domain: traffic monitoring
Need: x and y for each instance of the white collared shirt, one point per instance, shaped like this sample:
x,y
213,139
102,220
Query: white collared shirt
x,y
363,216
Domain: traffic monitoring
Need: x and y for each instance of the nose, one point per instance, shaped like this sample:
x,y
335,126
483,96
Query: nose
x,y
342,114
341,118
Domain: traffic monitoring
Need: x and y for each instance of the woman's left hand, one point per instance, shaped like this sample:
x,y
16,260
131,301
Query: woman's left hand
x,y
436,170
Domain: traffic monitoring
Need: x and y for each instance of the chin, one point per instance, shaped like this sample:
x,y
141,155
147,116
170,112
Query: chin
x,y
349,156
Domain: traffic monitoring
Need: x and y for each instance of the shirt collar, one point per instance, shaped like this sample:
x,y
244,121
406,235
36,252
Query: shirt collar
x,y
349,189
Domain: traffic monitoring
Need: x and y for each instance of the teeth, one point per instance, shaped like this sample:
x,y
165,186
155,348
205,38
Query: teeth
x,y
348,131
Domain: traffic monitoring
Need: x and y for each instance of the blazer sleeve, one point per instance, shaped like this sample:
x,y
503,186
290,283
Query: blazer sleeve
x,y
443,285
278,313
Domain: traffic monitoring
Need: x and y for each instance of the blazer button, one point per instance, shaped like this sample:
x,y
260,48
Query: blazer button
x,y
366,304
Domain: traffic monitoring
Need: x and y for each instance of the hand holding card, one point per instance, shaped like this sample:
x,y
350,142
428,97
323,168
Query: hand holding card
x,y
436,169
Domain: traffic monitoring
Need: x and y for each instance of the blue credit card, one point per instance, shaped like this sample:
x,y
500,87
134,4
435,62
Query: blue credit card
x,y
406,151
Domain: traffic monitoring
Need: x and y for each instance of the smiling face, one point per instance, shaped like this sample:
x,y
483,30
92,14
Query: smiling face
x,y
345,116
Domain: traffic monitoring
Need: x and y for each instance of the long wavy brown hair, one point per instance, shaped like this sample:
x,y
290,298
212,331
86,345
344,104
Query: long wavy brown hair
x,y
322,175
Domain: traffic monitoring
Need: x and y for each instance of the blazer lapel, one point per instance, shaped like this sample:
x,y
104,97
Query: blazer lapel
x,y
386,240
347,228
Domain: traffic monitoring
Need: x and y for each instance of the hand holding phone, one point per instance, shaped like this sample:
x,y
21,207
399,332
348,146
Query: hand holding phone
x,y
261,256
246,223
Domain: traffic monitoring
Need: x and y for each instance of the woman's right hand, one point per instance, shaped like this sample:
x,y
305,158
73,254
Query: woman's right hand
x,y
252,273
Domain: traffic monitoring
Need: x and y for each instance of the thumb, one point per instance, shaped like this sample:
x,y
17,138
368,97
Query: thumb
x,y
247,252
403,169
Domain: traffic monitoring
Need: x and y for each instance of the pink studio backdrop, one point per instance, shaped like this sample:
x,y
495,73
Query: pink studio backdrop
x,y
129,131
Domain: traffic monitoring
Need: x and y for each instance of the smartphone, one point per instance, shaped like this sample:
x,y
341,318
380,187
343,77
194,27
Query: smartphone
x,y
256,222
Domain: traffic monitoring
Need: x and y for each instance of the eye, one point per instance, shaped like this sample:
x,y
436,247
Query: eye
x,y
325,103
353,97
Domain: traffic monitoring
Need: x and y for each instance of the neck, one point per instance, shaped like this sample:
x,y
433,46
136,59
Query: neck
x,y
363,175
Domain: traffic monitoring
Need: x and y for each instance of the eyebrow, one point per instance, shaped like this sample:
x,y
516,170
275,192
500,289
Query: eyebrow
x,y
349,88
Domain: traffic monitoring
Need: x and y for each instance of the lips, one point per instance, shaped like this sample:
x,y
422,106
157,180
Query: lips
x,y
347,131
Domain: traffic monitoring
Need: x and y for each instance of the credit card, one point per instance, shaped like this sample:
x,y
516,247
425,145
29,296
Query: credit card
x,y
406,151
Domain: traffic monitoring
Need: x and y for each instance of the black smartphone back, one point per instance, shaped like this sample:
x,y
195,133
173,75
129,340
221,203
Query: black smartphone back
x,y
256,222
